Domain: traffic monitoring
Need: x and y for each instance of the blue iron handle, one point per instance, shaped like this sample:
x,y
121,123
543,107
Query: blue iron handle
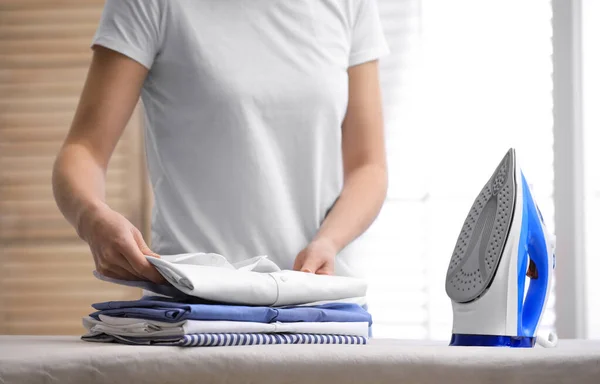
x,y
538,253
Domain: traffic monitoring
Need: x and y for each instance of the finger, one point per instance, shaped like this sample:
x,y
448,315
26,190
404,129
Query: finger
x,y
124,274
299,261
116,272
144,248
326,269
139,240
142,267
134,256
311,265
115,259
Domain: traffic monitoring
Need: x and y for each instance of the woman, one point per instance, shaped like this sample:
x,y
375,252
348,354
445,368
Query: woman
x,y
264,133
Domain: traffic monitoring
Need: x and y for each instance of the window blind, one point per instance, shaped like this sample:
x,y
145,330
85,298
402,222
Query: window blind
x,y
46,282
466,81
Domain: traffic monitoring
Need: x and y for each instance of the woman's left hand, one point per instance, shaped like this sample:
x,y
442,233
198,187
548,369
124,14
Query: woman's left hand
x,y
318,257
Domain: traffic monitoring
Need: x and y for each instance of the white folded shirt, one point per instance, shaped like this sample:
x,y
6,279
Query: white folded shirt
x,y
148,328
257,281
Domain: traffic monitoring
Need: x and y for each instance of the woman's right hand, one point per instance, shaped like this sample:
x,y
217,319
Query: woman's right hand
x,y
117,246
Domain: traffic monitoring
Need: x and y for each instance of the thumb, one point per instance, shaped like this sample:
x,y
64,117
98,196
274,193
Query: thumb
x,y
139,239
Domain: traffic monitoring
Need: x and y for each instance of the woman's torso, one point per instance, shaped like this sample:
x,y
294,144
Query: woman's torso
x,y
244,105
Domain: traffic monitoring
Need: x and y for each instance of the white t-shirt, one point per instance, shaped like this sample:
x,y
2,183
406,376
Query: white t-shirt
x,y
244,104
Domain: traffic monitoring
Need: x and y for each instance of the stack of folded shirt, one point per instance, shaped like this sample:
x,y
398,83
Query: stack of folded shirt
x,y
210,302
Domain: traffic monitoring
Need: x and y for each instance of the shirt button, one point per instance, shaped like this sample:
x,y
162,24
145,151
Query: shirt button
x,y
283,278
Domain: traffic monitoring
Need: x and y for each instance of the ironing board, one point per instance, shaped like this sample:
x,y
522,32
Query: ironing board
x,y
66,359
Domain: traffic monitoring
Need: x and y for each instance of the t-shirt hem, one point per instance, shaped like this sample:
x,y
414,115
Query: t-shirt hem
x,y
368,55
125,49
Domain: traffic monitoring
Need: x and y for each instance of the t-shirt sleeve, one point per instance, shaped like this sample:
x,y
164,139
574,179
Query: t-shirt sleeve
x,y
368,40
132,28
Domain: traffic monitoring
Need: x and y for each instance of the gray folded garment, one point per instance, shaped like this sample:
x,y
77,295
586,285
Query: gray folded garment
x,y
152,328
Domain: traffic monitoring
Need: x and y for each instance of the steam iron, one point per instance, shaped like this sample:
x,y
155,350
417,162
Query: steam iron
x,y
502,242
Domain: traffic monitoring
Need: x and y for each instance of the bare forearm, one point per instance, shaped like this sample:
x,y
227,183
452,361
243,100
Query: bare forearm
x,y
78,183
365,173
359,204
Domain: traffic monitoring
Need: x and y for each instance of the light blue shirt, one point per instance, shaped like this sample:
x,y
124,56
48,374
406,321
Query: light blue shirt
x,y
163,309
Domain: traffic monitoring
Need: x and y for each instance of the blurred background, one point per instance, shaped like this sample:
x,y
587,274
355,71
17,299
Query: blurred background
x,y
466,81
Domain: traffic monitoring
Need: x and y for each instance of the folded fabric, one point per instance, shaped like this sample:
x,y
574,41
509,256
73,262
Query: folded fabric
x,y
145,328
170,310
257,288
257,281
230,339
361,300
146,286
257,264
